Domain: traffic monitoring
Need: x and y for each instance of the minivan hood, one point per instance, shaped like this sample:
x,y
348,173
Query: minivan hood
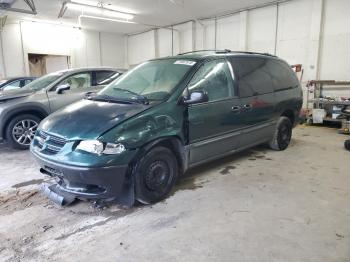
x,y
88,119
16,93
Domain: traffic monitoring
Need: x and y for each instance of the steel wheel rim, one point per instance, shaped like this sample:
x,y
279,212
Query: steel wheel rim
x,y
23,131
285,136
157,176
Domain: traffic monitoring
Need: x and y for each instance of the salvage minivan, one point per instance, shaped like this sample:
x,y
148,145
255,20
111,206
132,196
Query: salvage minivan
x,y
130,141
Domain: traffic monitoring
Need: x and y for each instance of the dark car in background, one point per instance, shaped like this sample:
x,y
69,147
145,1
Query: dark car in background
x,y
131,140
15,82
21,110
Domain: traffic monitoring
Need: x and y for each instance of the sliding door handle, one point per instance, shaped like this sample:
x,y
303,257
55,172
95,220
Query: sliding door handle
x,y
247,107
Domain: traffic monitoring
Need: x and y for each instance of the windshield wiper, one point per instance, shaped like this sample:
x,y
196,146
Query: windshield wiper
x,y
139,97
110,99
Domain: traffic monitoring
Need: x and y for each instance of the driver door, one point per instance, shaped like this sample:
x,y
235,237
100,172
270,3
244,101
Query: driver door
x,y
79,84
213,125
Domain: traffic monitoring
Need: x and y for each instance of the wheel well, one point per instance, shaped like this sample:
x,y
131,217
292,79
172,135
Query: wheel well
x,y
175,145
290,114
34,112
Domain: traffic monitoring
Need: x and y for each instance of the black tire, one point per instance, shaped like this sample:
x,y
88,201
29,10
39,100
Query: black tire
x,y
13,131
155,175
282,135
347,144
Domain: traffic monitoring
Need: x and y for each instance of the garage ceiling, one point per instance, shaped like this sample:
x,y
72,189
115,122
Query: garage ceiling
x,y
147,12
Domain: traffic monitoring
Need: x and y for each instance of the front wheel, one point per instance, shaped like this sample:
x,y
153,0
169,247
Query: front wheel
x,y
155,175
21,130
282,135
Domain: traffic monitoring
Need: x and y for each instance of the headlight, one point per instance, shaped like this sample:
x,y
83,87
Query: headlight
x,y
98,147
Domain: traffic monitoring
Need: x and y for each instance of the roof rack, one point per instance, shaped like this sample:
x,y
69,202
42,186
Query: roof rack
x,y
253,53
225,51
198,51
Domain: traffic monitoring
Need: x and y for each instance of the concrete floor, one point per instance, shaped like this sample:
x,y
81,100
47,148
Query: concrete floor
x,y
259,205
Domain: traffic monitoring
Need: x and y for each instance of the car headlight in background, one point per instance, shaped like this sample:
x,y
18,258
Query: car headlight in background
x,y
98,147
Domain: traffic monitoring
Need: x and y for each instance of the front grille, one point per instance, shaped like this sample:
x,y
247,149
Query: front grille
x,y
48,143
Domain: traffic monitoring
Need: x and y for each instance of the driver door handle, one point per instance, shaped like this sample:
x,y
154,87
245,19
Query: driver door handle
x,y
236,109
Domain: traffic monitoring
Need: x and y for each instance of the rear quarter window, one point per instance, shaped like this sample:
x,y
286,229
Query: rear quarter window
x,y
252,75
283,77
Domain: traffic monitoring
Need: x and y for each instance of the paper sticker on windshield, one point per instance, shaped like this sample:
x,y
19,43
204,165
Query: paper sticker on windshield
x,y
185,62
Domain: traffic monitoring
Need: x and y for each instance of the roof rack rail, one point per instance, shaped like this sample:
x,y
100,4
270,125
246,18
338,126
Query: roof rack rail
x,y
225,51
253,53
206,50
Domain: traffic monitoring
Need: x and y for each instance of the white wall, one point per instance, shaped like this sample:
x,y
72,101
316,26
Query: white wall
x,y
2,64
12,50
165,38
335,51
86,48
141,47
113,50
292,31
293,34
160,43
261,29
228,33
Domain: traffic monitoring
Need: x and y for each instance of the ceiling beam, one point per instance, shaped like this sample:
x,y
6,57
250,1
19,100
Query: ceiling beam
x,y
31,5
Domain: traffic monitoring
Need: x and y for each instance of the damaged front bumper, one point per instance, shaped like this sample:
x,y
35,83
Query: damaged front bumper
x,y
86,183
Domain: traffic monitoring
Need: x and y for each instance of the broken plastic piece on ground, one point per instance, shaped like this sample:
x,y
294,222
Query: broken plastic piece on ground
x,y
56,195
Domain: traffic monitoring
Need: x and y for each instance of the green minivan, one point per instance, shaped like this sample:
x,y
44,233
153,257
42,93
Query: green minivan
x,y
131,141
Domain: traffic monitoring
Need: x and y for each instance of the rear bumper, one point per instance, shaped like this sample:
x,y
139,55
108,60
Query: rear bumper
x,y
86,183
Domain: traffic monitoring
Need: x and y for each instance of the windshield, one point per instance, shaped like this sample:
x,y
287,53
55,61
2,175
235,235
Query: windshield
x,y
44,81
153,80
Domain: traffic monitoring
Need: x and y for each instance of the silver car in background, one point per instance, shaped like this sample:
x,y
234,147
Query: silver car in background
x,y
22,110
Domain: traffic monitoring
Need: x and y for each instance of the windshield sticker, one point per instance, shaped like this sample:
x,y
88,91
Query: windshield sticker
x,y
185,62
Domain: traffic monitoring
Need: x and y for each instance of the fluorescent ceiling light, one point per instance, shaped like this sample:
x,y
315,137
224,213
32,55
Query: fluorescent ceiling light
x,y
97,10
104,5
107,19
85,2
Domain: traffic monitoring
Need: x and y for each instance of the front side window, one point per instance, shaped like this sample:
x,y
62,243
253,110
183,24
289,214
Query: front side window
x,y
12,85
78,81
153,80
27,81
105,77
215,79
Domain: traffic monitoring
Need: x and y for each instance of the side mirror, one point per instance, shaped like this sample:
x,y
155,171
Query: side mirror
x,y
196,97
61,88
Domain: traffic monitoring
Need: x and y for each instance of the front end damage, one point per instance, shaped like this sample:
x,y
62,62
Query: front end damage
x,y
103,184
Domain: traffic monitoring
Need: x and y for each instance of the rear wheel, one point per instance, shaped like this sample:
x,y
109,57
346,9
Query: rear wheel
x,y
155,175
282,135
21,130
347,144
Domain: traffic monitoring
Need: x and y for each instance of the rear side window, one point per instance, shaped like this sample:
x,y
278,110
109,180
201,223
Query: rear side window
x,y
105,77
27,81
283,77
214,78
252,75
